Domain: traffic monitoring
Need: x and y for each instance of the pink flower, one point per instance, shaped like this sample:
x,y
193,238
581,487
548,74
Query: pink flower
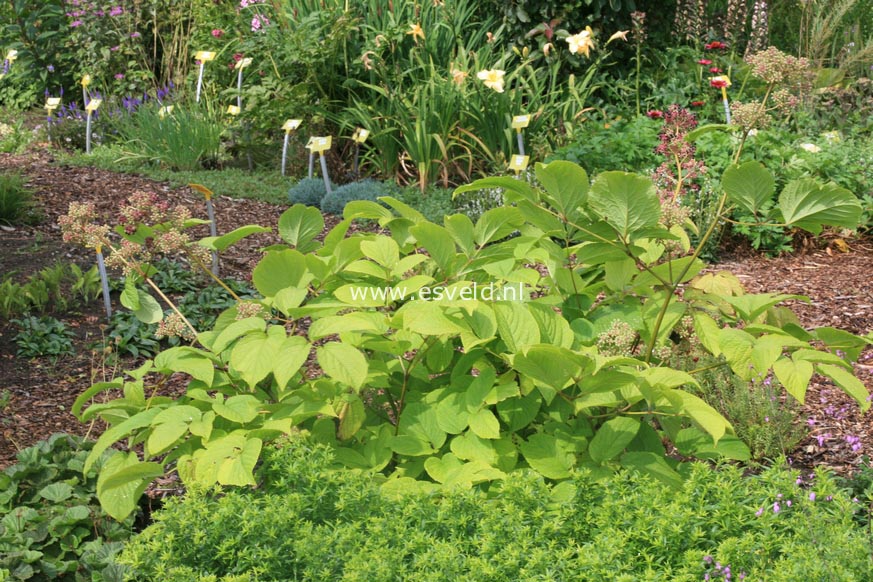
x,y
116,11
75,23
115,48
135,35
704,62
714,70
655,114
259,21
119,76
217,32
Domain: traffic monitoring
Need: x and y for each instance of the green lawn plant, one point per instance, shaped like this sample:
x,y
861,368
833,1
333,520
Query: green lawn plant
x,y
538,337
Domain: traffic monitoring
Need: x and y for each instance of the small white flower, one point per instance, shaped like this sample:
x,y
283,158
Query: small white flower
x,y
810,147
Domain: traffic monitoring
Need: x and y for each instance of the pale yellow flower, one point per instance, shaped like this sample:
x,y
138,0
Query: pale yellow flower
x,y
459,76
621,34
810,147
547,48
493,79
416,31
582,42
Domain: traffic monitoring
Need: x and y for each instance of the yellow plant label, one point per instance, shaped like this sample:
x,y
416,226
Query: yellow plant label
x,y
165,111
518,163
319,144
360,135
520,121
11,55
86,80
290,125
204,56
242,64
93,105
52,103
232,110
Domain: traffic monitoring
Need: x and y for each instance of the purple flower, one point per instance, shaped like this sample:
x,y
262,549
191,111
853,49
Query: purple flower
x,y
75,23
50,68
119,76
776,507
707,559
135,35
759,513
116,11
115,48
812,496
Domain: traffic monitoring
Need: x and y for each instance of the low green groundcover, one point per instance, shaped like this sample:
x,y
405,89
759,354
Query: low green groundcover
x,y
308,522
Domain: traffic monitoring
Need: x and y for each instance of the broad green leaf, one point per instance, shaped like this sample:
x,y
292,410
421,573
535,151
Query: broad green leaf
x,y
149,310
794,375
737,347
220,243
722,283
612,437
278,270
299,225
749,185
420,420
694,442
130,294
170,426
619,273
186,359
291,356
56,492
701,130
839,340
343,363
518,413
516,325
700,412
566,185
460,227
809,205
451,413
351,416
548,456
484,424
708,332
750,307
515,189
228,460
849,383
119,431
255,355
366,209
548,366
427,318
628,202
236,330
496,224
381,249
241,408
121,482
653,465
437,241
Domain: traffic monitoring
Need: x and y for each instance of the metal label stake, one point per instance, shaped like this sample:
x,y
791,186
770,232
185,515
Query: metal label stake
x,y
288,126
203,57
104,282
320,145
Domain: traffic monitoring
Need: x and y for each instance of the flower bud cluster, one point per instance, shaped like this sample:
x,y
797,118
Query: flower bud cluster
x,y
77,226
750,115
774,66
246,309
785,102
618,340
173,326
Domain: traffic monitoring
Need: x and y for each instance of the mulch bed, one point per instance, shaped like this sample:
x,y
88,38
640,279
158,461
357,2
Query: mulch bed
x,y
41,391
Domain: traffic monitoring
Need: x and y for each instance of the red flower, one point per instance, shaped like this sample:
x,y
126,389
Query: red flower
x,y
698,103
217,32
718,83
238,57
715,45
704,62
714,70
655,113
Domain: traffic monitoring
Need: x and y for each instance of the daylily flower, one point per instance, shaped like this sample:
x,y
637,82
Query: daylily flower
x,y
416,31
621,34
582,42
458,76
493,79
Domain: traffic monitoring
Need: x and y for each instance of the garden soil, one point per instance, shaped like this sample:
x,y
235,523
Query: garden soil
x,y
36,395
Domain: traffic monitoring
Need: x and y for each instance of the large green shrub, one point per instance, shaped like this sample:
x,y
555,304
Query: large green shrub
x,y
465,364
307,522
